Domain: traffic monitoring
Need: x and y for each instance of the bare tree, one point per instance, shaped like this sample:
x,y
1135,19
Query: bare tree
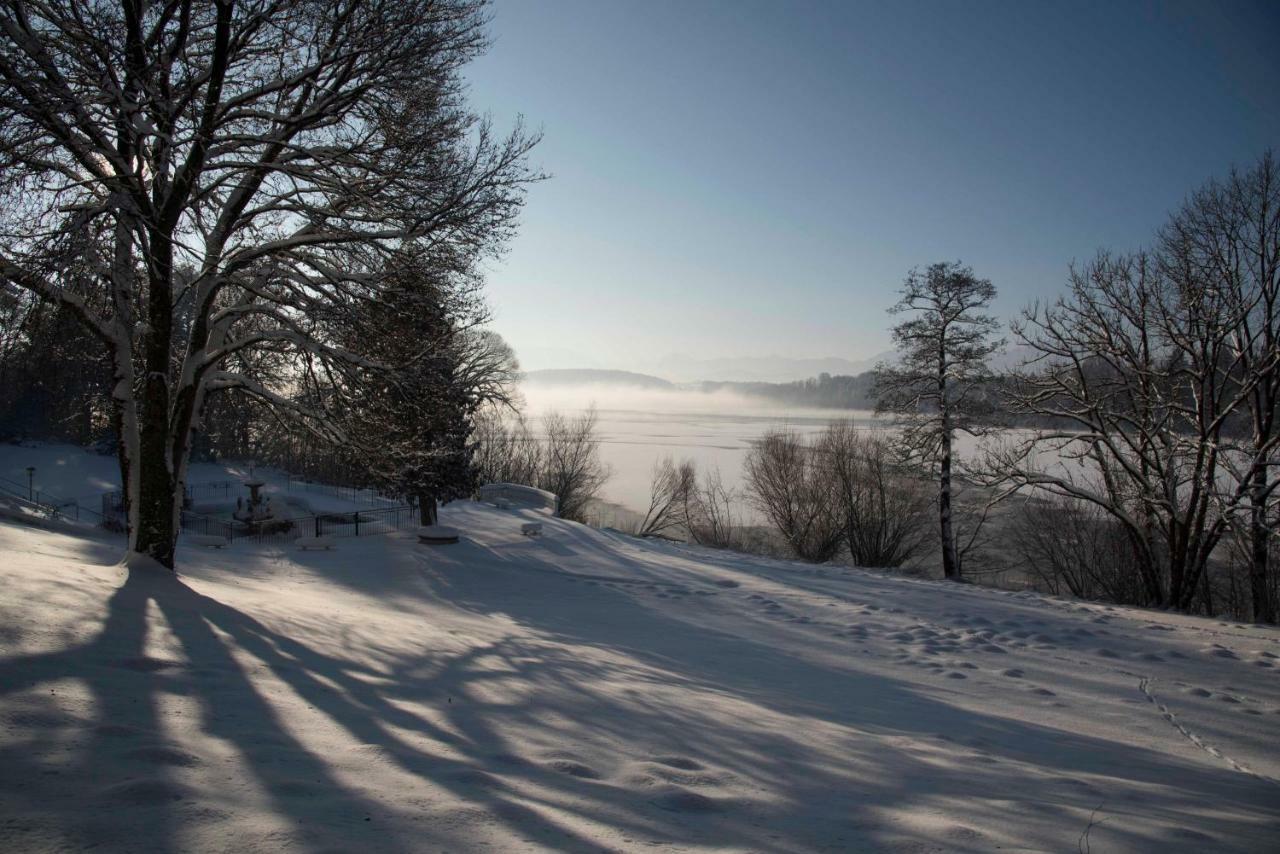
x,y
937,387
1135,365
884,510
793,487
197,179
571,466
709,514
670,488
1073,546
1227,238
488,366
507,451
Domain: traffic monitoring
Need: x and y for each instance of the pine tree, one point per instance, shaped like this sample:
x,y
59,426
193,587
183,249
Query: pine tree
x,y
935,386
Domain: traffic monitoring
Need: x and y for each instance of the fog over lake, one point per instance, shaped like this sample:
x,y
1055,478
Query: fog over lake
x,y
637,427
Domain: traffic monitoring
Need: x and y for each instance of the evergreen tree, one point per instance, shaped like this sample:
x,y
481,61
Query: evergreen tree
x,y
934,387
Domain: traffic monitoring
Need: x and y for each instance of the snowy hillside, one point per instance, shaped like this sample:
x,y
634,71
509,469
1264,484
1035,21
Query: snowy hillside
x,y
589,692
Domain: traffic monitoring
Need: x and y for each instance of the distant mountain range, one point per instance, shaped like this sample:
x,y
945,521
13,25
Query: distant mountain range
x,y
810,382
759,369
594,376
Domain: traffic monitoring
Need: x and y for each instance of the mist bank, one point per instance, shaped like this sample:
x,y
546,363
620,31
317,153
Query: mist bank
x,y
637,425
628,390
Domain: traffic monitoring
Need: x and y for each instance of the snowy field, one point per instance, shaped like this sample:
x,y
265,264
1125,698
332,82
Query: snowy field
x,y
592,692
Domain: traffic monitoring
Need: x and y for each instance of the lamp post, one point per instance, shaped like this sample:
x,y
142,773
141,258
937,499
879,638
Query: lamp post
x,y
31,479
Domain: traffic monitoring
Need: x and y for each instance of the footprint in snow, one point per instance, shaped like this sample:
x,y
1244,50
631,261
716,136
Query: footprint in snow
x,y
682,800
684,763
575,769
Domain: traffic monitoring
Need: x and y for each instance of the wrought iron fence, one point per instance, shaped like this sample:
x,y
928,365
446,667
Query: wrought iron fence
x,y
50,505
346,493
220,488
209,526
359,523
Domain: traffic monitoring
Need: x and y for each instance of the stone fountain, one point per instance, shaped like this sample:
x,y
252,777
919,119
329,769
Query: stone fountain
x,y
257,508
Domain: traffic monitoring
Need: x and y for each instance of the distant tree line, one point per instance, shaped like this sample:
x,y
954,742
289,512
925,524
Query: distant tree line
x,y
825,390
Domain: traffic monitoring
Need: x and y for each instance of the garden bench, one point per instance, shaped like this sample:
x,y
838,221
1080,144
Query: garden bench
x,y
209,541
321,542
531,529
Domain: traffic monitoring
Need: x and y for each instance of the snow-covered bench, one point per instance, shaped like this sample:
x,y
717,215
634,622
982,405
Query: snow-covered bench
x,y
209,541
321,542
437,535
531,529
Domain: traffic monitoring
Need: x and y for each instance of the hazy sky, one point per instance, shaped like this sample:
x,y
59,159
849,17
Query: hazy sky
x,y
752,178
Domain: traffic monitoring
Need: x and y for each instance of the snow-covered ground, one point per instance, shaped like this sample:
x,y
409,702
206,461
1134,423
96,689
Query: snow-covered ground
x,y
587,691
69,473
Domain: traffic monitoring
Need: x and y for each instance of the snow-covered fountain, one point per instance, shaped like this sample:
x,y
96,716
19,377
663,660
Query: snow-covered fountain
x,y
257,508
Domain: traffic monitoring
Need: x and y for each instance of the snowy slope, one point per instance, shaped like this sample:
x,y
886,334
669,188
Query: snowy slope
x,y
589,692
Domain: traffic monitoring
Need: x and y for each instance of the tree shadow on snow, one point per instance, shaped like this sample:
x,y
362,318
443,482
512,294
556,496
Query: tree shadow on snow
x,y
713,737
982,759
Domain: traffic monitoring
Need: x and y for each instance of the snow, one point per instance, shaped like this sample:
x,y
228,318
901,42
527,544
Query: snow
x,y
73,473
587,691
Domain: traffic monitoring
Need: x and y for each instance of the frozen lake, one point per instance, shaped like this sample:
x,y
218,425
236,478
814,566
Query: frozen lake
x,y
638,428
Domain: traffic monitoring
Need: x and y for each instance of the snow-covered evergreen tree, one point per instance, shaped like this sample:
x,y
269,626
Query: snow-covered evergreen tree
x,y
934,387
409,410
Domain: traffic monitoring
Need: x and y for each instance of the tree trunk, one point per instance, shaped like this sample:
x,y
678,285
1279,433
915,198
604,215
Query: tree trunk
x,y
950,561
157,529
157,534
1259,546
427,509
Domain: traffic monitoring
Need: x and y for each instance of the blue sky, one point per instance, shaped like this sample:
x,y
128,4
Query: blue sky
x,y
753,178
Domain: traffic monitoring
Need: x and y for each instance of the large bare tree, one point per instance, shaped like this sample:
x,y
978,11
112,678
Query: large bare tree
x,y
1136,367
937,386
1226,239
200,179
